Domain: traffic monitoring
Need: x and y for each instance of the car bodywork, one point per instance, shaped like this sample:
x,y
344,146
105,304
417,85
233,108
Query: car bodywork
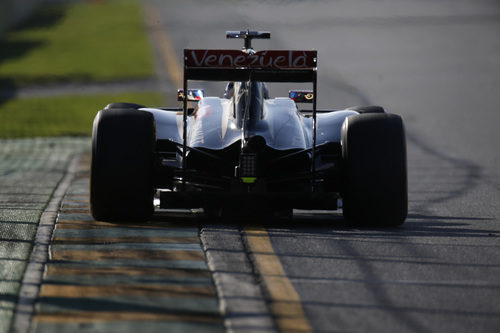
x,y
246,146
245,152
268,153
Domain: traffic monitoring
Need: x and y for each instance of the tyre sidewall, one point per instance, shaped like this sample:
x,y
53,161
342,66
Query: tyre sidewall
x,y
375,169
121,185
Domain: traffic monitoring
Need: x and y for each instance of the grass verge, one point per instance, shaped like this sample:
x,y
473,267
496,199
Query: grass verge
x,y
77,42
61,116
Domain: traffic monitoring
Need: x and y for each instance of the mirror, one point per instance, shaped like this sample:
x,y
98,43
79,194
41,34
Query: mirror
x,y
193,95
301,96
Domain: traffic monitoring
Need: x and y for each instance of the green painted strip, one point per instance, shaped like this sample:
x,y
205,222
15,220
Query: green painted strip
x,y
206,306
180,264
102,280
128,246
123,232
130,326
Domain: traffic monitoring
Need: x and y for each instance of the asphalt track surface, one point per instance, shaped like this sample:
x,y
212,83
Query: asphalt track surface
x,y
437,64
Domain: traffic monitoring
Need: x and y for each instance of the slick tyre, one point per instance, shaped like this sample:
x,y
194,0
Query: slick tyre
x,y
121,183
123,106
367,109
375,173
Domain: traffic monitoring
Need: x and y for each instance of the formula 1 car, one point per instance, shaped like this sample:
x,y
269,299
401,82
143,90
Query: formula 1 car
x,y
245,153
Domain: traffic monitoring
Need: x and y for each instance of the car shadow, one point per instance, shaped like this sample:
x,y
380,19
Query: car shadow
x,y
417,225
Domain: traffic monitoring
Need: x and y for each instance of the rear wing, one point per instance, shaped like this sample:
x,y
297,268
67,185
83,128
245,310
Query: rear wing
x,y
236,65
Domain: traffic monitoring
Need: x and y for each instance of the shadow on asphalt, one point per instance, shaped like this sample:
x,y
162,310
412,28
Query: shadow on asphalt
x,y
320,223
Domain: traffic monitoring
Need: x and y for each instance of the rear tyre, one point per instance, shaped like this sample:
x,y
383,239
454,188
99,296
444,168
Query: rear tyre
x,y
367,109
374,154
121,183
123,106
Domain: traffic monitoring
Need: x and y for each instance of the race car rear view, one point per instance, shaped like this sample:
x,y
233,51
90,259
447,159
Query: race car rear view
x,y
246,153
